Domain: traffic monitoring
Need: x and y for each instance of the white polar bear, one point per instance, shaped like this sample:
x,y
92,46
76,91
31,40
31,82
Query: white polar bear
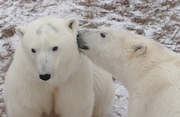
x,y
49,77
149,71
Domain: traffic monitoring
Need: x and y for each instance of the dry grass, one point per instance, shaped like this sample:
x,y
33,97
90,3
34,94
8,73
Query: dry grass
x,y
5,60
8,32
152,15
8,57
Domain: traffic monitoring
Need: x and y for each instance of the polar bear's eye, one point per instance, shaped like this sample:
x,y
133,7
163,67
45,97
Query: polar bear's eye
x,y
55,48
103,35
33,50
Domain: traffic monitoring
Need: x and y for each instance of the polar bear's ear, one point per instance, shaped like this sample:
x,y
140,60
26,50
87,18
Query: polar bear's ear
x,y
72,23
20,30
139,49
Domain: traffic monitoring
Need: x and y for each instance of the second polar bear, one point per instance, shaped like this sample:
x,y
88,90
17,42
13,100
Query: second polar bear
x,y
49,77
149,71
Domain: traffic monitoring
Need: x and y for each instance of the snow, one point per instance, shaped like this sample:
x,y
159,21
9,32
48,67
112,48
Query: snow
x,y
156,19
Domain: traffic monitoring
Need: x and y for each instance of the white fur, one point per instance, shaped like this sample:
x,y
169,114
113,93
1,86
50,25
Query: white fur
x,y
149,71
75,83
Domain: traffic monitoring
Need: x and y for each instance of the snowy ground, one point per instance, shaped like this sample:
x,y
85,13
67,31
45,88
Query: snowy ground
x,y
156,19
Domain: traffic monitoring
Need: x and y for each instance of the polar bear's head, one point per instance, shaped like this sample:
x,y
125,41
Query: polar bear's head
x,y
48,43
110,48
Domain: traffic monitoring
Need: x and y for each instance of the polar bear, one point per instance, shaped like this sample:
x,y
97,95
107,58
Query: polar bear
x,y
49,77
149,71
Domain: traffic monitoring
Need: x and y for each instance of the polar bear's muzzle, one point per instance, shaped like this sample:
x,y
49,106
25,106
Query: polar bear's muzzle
x,y
45,65
81,43
45,77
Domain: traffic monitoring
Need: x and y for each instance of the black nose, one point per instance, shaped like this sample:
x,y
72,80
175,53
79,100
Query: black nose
x,y
45,77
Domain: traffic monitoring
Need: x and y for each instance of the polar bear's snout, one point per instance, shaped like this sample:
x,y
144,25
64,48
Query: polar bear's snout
x,y
81,42
45,66
45,77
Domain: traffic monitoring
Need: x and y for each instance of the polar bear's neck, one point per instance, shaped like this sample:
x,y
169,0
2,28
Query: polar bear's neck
x,y
153,67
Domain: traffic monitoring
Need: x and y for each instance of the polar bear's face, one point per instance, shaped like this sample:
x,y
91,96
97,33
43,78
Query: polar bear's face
x,y
47,42
109,47
95,44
